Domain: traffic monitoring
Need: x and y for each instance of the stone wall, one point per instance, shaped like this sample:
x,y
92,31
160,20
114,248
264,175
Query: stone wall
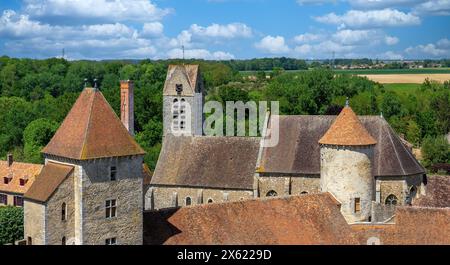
x,y
162,197
400,187
56,227
288,185
97,187
195,104
346,172
382,212
34,222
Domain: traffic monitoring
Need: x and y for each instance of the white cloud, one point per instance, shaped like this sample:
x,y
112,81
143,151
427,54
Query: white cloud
x,y
439,50
152,29
108,10
370,19
390,55
308,37
379,4
390,40
316,2
200,54
434,7
229,31
272,45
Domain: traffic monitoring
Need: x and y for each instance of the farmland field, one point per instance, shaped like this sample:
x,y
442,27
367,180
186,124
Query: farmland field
x,y
406,78
373,71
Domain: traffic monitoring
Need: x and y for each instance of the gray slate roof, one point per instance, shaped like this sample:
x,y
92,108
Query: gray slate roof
x,y
298,151
214,162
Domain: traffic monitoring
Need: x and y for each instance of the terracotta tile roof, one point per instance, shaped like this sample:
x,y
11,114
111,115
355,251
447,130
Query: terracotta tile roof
x,y
189,72
413,226
17,171
215,162
92,130
298,150
51,176
437,193
347,130
308,219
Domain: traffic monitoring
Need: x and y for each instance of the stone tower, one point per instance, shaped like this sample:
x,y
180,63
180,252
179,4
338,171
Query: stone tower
x,y
346,157
90,191
183,97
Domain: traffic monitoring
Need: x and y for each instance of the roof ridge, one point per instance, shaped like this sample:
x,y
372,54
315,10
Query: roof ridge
x,y
83,148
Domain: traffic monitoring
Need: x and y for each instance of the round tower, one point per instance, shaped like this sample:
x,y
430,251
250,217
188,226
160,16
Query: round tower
x,y
346,156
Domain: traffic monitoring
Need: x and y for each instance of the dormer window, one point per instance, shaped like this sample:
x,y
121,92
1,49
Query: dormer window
x,y
23,181
179,88
7,179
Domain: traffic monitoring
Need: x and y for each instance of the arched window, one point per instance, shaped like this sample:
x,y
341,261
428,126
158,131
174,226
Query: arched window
x,y
391,200
176,115
188,201
271,193
183,114
63,211
304,193
413,192
210,200
63,240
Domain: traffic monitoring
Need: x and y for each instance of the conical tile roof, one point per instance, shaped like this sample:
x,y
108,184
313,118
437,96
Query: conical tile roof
x,y
348,130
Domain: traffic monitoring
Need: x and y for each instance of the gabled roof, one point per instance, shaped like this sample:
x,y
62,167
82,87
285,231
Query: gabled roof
x,y
295,220
298,150
51,176
17,171
92,130
437,193
214,162
347,130
187,75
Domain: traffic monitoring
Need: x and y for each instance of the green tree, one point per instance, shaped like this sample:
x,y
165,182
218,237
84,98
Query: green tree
x,y
11,224
413,133
35,136
390,105
435,150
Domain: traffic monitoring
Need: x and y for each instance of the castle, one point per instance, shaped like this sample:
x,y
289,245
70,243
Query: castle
x,y
94,188
360,160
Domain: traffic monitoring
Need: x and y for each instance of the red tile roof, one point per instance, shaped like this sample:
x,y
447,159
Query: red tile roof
x,y
17,171
51,176
348,130
309,219
92,130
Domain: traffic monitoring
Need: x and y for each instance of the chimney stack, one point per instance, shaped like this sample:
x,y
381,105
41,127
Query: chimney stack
x,y
127,105
10,160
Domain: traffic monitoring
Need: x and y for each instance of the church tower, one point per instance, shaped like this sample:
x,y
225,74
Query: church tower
x,y
183,97
346,158
90,189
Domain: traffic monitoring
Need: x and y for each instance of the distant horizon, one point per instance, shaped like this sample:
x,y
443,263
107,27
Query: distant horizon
x,y
225,29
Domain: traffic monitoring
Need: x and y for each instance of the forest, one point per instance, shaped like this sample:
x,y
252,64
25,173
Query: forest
x,y
36,95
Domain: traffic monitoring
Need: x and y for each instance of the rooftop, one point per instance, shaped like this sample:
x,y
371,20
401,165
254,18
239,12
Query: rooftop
x,y
92,130
347,130
17,171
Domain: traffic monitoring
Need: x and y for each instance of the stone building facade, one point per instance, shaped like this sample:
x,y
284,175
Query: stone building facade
x,y
90,190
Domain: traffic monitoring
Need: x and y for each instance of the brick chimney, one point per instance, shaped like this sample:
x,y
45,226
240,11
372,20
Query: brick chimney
x,y
127,105
10,160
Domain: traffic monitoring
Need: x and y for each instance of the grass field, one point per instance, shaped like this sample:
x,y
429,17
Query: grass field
x,y
407,78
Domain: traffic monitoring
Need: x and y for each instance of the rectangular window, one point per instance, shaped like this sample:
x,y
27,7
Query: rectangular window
x,y
111,241
18,201
357,205
113,173
22,182
110,207
6,180
3,199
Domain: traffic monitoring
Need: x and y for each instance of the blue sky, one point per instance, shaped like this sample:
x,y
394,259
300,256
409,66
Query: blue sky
x,y
225,29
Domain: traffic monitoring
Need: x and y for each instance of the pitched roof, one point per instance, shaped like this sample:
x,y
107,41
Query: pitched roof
x,y
51,176
437,193
147,173
92,130
188,75
307,219
413,226
16,171
215,162
347,130
298,150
